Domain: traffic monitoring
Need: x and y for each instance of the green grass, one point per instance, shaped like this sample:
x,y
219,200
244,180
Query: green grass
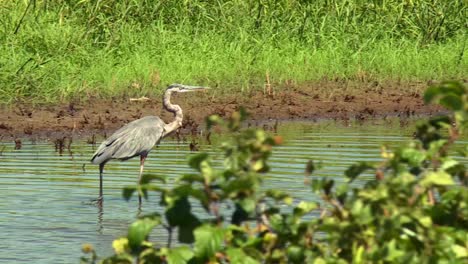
x,y
61,51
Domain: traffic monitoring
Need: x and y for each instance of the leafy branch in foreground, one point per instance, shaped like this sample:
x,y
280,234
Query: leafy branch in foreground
x,y
413,211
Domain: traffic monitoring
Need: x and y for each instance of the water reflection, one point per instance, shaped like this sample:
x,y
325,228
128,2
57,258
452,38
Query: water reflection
x,y
47,186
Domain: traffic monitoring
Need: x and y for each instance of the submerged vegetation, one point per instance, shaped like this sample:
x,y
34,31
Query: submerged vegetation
x,y
58,50
414,210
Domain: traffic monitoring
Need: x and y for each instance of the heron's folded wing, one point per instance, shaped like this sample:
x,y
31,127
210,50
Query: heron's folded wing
x,y
132,140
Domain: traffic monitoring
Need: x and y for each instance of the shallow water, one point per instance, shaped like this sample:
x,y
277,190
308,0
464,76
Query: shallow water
x,y
45,215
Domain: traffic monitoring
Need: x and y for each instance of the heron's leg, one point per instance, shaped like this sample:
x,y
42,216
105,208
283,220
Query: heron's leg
x,y
142,165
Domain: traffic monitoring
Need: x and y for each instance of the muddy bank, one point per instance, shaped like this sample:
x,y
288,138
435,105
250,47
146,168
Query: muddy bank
x,y
328,99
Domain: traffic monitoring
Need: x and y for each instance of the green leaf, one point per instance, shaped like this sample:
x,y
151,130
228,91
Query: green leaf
x,y
242,184
213,120
186,230
393,253
310,167
238,256
147,178
208,241
196,160
143,189
460,252
128,191
139,230
319,261
431,93
248,204
179,255
425,221
440,121
452,102
295,254
239,215
356,169
305,207
324,185
453,87
449,163
179,212
439,178
190,178
187,190
445,88
206,171
277,195
412,156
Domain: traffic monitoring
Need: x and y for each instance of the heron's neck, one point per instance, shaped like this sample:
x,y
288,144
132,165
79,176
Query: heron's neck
x,y
176,110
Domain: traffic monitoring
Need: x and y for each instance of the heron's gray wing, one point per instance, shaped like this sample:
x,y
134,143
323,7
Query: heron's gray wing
x,y
133,139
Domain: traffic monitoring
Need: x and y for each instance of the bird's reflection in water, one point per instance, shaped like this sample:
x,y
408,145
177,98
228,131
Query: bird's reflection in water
x,y
100,214
100,218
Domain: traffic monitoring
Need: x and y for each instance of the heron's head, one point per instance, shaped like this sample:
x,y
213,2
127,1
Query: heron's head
x,y
181,88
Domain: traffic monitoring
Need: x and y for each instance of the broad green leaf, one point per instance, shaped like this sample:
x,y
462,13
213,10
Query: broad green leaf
x,y
356,169
179,255
213,120
196,160
295,254
190,178
425,221
453,87
147,178
248,182
208,241
206,171
304,208
452,101
393,253
258,165
412,156
185,232
248,204
238,256
277,195
449,163
179,212
319,260
143,189
460,252
139,230
437,91
150,255
358,253
431,93
439,178
128,191
310,167
440,121
277,223
239,215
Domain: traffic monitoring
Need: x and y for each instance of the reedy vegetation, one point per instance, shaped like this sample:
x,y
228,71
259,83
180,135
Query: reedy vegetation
x,y
51,50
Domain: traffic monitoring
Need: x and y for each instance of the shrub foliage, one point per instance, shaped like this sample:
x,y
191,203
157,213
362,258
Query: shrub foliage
x,y
413,211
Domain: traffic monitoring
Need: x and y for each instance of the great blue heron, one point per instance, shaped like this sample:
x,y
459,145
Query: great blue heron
x,y
138,137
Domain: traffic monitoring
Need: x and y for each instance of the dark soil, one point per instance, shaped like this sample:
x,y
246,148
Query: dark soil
x,y
341,100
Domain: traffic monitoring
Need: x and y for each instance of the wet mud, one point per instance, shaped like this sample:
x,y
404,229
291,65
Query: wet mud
x,y
94,118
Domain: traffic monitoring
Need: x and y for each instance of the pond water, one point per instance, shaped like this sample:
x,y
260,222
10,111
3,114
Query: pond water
x,y
45,213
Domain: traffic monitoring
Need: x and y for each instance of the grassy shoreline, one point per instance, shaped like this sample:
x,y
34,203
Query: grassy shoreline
x,y
59,51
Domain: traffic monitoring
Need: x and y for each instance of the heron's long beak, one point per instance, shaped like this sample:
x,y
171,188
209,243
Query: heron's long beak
x,y
188,88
